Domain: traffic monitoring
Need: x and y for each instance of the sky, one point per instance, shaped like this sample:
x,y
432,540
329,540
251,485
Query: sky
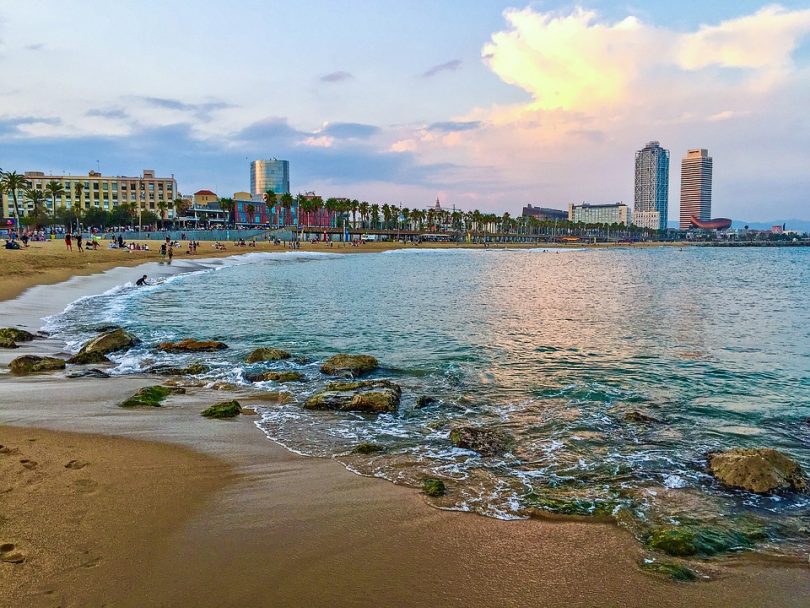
x,y
484,104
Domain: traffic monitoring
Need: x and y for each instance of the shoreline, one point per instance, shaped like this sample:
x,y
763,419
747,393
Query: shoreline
x,y
308,520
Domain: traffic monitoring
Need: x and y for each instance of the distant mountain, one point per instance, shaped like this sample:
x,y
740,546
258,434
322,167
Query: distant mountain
x,y
800,225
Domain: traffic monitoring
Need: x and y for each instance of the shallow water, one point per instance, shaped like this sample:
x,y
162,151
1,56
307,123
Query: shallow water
x,y
552,347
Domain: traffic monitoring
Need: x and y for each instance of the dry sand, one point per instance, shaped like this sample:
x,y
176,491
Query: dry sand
x,y
240,521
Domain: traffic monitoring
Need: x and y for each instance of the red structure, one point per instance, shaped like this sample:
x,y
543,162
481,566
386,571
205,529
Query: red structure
x,y
720,223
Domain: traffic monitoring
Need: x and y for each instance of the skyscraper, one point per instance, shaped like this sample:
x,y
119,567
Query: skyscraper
x,y
270,174
652,187
696,187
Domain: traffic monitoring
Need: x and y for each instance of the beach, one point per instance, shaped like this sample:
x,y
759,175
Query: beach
x,y
166,508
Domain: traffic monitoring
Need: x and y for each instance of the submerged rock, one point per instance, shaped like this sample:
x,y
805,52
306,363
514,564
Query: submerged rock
x,y
267,354
425,401
433,487
193,369
89,373
7,342
280,397
224,409
106,343
639,417
704,541
81,358
760,470
349,365
373,396
189,345
16,335
671,570
31,364
152,396
368,448
487,442
286,376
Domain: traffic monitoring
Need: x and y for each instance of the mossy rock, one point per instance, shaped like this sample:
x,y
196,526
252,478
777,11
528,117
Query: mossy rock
x,y
368,399
349,365
224,409
280,397
357,385
152,396
640,418
425,401
190,345
759,470
286,376
267,354
565,503
703,541
84,358
433,487
487,442
193,369
368,448
671,570
108,342
16,335
7,342
32,364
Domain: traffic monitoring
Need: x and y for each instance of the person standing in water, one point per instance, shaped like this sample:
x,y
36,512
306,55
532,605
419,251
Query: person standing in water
x,y
142,281
171,253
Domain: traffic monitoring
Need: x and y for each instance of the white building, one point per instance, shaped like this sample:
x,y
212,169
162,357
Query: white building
x,y
615,213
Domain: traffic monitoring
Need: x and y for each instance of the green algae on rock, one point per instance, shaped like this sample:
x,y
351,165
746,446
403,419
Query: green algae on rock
x,y
759,470
373,396
190,345
192,369
485,441
367,448
6,342
267,354
702,541
349,365
84,358
151,396
284,376
32,364
676,572
104,344
16,335
224,409
433,487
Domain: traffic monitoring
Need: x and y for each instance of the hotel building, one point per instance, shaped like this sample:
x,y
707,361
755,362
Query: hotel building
x,y
696,187
100,191
270,174
544,213
652,187
616,213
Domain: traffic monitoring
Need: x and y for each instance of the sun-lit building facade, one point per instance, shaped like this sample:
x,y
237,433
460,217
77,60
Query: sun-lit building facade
x,y
272,174
651,200
696,187
586,213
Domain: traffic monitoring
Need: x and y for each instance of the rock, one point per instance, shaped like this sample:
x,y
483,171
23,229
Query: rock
x,y
639,417
152,396
106,343
16,335
224,409
193,369
487,442
704,541
433,487
10,554
6,342
286,376
267,354
280,397
83,358
221,385
367,448
190,345
372,396
425,401
31,364
349,365
760,470
671,570
89,373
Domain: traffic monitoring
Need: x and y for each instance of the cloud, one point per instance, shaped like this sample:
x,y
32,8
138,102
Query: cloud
x,y
38,46
455,126
336,77
449,66
349,130
107,113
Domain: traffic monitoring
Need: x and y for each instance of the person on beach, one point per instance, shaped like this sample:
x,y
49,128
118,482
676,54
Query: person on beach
x,y
68,241
163,250
142,281
79,241
171,253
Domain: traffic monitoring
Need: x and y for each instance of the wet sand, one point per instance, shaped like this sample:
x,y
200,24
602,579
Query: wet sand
x,y
239,521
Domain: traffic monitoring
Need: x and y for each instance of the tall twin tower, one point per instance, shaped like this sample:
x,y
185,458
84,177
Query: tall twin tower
x,y
652,187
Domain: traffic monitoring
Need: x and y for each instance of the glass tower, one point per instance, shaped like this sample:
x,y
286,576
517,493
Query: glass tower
x,y
696,187
270,174
652,187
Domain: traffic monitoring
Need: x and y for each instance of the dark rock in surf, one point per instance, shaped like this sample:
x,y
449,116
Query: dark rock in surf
x,y
349,365
487,442
759,470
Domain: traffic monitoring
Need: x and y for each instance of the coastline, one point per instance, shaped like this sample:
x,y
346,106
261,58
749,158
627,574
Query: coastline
x,y
273,528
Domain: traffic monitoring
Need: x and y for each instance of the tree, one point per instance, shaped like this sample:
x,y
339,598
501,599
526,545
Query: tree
x,y
286,204
251,210
11,181
228,204
55,190
364,208
270,199
375,215
162,207
36,197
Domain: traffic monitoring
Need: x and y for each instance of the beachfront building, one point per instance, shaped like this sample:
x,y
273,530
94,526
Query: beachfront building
x,y
652,187
586,213
95,190
271,174
696,187
544,214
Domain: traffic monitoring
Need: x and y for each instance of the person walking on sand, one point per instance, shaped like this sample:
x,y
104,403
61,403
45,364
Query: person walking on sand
x,y
68,241
171,253
79,241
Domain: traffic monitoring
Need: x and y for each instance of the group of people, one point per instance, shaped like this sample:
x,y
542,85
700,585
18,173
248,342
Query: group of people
x,y
242,243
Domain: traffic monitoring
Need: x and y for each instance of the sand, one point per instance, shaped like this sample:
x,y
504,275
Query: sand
x,y
179,510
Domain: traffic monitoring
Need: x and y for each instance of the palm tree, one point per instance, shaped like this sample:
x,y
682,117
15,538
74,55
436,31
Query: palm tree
x,y
227,204
162,207
375,215
354,206
270,199
79,187
286,204
11,181
55,190
36,197
251,210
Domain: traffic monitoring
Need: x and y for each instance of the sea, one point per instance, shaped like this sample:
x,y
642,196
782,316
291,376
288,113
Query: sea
x,y
552,346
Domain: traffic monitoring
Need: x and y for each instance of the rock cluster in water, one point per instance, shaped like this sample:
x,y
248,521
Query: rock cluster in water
x,y
224,409
760,470
151,396
373,396
97,349
349,365
190,345
487,442
284,376
267,354
32,364
9,336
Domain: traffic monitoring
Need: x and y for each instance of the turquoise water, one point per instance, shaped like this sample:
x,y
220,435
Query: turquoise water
x,y
553,347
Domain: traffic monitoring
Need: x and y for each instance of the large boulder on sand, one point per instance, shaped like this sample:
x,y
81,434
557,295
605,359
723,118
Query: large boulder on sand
x,y
7,342
760,470
31,364
267,354
16,335
97,349
487,442
224,409
190,345
373,396
349,365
